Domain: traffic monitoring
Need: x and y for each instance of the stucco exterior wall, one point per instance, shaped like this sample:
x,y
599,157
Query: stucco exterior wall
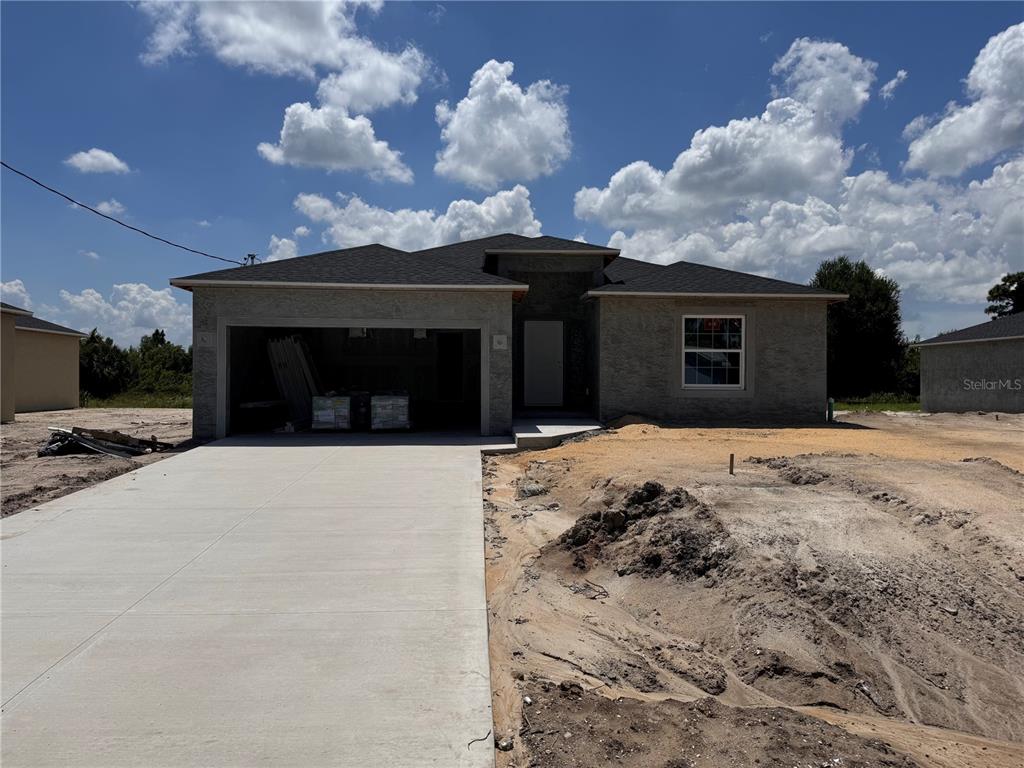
x,y
47,371
641,362
976,376
7,368
214,308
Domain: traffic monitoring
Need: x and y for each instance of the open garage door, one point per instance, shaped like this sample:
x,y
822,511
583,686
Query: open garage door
x,y
436,369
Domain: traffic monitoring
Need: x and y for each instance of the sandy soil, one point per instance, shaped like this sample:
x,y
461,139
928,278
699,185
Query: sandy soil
x,y
852,593
28,480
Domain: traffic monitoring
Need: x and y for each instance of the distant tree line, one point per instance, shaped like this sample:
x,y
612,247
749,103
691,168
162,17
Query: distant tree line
x,y
155,367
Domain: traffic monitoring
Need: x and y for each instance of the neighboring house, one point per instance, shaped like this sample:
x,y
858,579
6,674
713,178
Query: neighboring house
x,y
980,368
482,331
40,363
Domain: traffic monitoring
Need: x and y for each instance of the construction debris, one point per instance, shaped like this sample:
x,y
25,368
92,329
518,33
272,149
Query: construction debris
x,y
296,378
112,443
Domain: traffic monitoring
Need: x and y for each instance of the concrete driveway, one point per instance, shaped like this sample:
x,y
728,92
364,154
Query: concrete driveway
x,y
292,601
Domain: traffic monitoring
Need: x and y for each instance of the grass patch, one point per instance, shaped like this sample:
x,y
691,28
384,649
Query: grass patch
x,y
139,400
880,402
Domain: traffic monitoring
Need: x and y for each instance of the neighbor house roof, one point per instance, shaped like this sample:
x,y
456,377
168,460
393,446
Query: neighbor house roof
x,y
30,323
997,329
684,278
13,310
368,266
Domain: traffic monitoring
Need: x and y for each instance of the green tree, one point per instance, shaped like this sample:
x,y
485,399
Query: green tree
x,y
867,351
161,366
1007,296
104,369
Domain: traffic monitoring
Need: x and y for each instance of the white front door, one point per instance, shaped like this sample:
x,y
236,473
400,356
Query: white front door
x,y
542,362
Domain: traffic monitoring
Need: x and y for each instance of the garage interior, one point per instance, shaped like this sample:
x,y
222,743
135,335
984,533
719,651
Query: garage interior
x,y
437,369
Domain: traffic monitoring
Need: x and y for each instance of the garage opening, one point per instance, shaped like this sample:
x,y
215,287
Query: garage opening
x,y
400,378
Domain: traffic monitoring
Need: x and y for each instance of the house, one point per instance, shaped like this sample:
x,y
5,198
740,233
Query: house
x,y
40,363
481,331
980,368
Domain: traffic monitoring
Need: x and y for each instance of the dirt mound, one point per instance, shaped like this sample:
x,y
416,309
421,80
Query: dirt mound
x,y
651,531
992,463
790,470
570,727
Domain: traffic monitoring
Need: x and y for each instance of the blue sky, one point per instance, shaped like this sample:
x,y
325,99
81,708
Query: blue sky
x,y
581,122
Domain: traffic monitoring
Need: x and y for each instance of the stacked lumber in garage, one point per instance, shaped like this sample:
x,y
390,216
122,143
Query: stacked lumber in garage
x,y
296,378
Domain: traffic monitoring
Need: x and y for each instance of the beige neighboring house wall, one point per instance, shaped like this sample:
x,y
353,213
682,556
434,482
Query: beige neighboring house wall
x,y
7,368
40,363
47,365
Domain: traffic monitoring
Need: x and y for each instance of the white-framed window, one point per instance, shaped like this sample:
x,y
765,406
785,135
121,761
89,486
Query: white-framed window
x,y
714,351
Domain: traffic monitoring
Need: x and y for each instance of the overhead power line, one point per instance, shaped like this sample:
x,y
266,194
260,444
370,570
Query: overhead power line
x,y
117,221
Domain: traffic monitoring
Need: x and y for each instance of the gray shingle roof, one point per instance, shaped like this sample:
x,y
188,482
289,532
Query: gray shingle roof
x,y
463,264
684,277
1009,327
38,324
625,270
470,254
365,265
13,309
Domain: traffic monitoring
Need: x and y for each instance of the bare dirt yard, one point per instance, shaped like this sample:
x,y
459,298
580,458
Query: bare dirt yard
x,y
29,480
852,596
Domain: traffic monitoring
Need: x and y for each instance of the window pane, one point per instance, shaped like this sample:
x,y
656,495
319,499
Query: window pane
x,y
703,376
712,351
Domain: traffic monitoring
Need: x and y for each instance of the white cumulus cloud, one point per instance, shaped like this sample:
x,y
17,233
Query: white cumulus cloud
x,y
110,207
281,38
292,38
376,79
14,292
350,221
991,123
301,231
281,248
97,161
132,311
794,148
502,132
773,195
888,91
328,137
